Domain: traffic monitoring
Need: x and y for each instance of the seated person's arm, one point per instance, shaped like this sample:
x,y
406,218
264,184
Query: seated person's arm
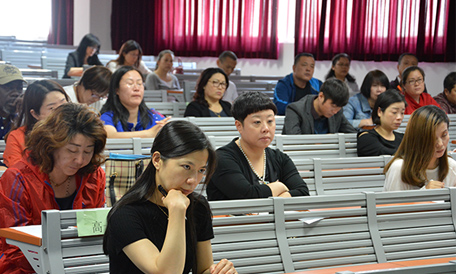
x,y
229,178
291,178
281,97
146,256
206,262
147,133
292,123
75,71
13,150
345,126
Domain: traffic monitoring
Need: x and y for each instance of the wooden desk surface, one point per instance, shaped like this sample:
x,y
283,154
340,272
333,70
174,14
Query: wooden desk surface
x,y
14,234
367,267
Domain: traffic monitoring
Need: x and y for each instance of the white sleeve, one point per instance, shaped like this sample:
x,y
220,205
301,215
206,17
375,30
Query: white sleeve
x,y
450,179
393,181
112,66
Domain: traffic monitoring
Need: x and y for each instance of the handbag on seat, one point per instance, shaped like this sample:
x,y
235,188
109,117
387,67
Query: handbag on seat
x,y
122,170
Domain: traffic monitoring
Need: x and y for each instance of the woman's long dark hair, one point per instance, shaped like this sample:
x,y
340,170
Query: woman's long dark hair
x,y
175,139
120,113
89,40
33,99
128,46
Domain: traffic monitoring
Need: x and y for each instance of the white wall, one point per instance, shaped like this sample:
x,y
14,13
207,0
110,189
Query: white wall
x,y
99,23
93,16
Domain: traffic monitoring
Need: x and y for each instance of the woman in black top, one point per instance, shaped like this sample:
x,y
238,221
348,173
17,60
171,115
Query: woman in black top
x,y
207,101
160,225
85,54
247,168
387,114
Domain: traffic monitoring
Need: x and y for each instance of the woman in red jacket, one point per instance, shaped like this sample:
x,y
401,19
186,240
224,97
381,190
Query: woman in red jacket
x,y
60,170
413,87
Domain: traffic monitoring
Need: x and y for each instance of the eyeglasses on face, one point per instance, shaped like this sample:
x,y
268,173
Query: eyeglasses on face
x,y
418,81
98,97
217,84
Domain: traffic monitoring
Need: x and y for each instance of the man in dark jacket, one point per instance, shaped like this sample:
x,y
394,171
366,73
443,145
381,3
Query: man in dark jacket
x,y
319,114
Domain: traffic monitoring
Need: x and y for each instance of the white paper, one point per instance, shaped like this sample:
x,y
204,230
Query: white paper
x,y
34,230
311,220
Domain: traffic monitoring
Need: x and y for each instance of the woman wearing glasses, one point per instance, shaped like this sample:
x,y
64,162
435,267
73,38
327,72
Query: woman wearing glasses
x,y
413,87
340,66
92,88
39,101
207,101
125,113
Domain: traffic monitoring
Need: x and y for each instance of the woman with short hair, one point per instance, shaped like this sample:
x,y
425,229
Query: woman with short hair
x,y
61,170
92,88
359,108
247,168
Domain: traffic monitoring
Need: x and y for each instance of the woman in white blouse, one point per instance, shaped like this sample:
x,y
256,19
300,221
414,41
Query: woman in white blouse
x,y
421,161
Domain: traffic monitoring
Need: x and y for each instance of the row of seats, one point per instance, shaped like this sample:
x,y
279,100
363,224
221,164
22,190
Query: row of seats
x,y
54,59
278,235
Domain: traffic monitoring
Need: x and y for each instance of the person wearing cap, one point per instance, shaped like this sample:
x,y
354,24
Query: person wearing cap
x,y
11,84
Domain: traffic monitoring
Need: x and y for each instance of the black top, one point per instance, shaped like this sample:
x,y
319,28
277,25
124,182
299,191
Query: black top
x,y
73,62
301,92
145,220
234,179
370,143
67,202
198,110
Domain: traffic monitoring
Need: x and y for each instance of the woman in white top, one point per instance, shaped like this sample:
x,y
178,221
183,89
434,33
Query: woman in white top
x,y
340,67
92,89
421,161
130,54
162,78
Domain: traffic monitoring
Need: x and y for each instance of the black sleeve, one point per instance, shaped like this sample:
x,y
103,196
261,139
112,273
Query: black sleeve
x,y
193,109
290,176
204,230
125,228
94,60
226,107
233,180
370,145
71,62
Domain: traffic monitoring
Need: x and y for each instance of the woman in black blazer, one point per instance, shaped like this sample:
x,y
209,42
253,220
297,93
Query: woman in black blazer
x,y
207,101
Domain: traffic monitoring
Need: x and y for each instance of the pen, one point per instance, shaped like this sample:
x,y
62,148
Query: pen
x,y
163,191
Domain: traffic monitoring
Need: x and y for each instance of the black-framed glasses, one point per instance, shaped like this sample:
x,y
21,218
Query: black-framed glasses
x,y
417,81
217,84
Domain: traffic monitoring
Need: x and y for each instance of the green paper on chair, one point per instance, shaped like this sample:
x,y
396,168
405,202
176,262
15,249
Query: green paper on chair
x,y
91,222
